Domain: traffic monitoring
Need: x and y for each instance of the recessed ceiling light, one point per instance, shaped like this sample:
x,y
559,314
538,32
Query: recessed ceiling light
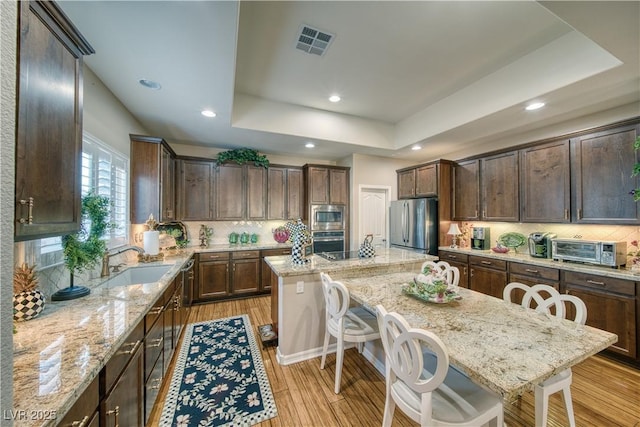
x,y
150,84
309,145
534,106
334,98
208,113
416,148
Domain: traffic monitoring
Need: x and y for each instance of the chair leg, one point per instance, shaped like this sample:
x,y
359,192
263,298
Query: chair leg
x,y
325,347
339,357
389,409
566,395
542,406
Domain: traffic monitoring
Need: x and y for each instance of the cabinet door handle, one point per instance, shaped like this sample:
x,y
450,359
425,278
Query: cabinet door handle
x,y
471,273
29,203
593,282
528,270
116,413
566,214
579,213
486,262
156,386
158,343
133,350
465,271
453,256
155,310
81,423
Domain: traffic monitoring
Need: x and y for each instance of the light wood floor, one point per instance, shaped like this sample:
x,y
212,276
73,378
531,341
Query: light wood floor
x,y
605,393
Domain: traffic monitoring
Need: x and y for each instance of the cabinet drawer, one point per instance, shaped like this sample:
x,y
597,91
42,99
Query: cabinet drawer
x,y
153,313
213,256
453,256
488,262
245,254
534,271
121,357
275,252
601,283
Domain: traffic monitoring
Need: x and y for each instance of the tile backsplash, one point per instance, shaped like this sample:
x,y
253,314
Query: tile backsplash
x,y
614,233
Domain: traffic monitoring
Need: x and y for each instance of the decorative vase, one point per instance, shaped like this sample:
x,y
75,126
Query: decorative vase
x,y
635,263
27,305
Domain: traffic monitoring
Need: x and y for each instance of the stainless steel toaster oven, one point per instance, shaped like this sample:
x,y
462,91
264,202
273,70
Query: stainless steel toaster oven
x,y
598,252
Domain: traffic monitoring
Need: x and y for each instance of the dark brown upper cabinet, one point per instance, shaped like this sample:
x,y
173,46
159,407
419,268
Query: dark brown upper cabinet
x,y
196,189
601,166
241,192
153,179
545,179
466,191
285,194
326,184
49,122
499,187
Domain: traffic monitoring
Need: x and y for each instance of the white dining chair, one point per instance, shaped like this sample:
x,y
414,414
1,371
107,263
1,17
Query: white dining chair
x,y
354,324
447,270
423,384
547,297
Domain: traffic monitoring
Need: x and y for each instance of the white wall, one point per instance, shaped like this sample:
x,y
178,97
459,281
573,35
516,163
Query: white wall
x,y
105,117
8,54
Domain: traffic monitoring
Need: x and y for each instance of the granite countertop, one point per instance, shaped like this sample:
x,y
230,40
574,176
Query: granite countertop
x,y
503,346
525,258
59,353
283,266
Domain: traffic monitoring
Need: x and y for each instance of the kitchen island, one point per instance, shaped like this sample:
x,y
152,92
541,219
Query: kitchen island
x,y
298,301
500,345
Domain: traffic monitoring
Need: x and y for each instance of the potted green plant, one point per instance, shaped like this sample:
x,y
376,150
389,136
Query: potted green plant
x,y
84,249
242,156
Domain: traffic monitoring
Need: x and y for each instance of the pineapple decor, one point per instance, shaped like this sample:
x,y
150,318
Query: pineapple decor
x,y
28,301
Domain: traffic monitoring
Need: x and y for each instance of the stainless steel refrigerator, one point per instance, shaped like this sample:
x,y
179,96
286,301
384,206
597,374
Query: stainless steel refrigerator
x,y
414,225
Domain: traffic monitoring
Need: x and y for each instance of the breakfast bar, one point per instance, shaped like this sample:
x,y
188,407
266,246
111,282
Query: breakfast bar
x,y
500,345
298,301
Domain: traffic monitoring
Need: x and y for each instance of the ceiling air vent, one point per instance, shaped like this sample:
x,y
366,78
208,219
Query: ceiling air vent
x,y
312,40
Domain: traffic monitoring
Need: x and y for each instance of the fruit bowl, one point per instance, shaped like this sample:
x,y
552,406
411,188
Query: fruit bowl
x,y
500,249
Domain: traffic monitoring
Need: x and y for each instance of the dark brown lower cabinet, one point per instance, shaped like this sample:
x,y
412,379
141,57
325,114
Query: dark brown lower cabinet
x,y
611,306
212,275
245,272
123,404
532,275
85,411
487,275
461,262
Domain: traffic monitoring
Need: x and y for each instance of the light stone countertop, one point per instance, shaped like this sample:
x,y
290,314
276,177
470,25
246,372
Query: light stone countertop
x,y
525,258
59,353
388,257
500,345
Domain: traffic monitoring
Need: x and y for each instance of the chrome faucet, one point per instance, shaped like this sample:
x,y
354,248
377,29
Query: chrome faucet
x,y
106,256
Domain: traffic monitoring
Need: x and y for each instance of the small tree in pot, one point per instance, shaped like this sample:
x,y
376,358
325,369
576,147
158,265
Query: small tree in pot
x,y
84,249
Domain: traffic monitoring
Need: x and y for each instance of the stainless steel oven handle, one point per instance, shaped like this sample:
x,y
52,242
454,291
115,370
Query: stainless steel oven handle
x,y
327,239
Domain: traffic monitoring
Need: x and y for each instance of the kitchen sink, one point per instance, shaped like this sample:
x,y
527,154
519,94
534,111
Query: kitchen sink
x,y
137,275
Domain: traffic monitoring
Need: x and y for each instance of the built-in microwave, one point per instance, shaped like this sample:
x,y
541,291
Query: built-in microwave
x,y
327,217
612,254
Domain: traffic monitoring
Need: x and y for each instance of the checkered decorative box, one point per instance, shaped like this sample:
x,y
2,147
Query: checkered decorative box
x,y
27,305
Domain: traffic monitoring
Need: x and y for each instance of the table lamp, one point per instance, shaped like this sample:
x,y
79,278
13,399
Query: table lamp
x,y
454,231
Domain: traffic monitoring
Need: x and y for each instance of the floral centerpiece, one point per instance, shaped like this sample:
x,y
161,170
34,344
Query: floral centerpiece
x,y
431,285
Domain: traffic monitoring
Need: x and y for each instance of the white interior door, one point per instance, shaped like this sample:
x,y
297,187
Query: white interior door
x,y
374,209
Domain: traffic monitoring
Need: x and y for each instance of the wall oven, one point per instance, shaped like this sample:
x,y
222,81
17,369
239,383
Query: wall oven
x,y
328,241
327,217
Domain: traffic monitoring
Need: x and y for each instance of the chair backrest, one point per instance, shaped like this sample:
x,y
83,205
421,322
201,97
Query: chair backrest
x,y
452,274
336,299
547,297
403,347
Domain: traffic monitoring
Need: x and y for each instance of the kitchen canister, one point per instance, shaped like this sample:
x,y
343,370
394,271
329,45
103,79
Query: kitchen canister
x,y
366,248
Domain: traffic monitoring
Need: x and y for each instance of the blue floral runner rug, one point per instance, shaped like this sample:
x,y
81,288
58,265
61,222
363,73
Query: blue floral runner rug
x,y
219,378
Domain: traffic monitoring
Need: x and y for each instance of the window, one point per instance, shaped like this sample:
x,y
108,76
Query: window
x,y
106,172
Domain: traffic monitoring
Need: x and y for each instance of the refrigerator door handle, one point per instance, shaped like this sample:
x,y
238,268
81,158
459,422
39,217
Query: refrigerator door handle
x,y
405,222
